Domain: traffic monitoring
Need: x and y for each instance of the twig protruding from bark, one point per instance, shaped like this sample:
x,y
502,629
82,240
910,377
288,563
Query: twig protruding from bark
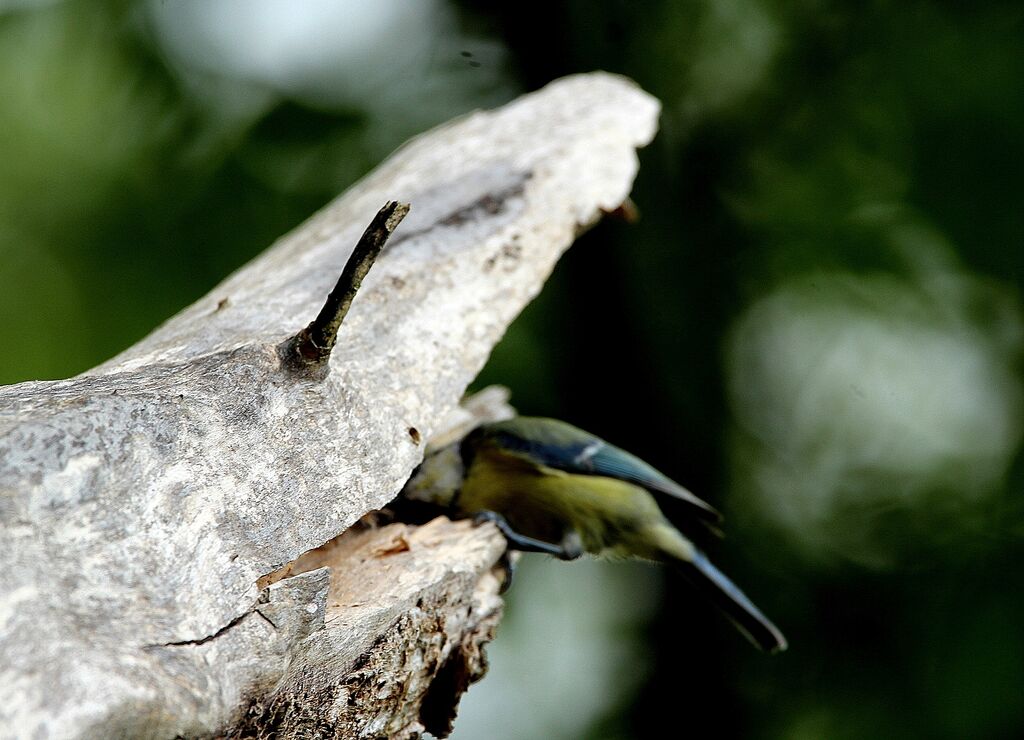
x,y
309,350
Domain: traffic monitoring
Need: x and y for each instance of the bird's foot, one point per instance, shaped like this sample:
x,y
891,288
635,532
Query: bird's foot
x,y
518,541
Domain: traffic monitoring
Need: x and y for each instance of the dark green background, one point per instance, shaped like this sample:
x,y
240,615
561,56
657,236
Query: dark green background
x,y
853,166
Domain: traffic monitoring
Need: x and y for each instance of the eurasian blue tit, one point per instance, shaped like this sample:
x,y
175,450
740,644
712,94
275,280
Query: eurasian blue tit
x,y
553,488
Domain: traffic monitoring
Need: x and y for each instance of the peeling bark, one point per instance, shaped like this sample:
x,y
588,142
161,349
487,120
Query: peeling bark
x,y
147,506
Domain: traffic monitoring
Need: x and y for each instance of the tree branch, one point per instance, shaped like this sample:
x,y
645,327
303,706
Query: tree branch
x,y
145,504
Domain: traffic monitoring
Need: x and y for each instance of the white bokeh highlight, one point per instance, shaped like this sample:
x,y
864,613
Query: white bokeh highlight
x,y
857,396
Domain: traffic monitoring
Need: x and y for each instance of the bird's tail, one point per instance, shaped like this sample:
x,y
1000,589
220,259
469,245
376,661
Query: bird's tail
x,y
727,596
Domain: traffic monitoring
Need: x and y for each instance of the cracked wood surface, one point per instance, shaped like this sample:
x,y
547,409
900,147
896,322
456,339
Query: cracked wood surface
x,y
142,502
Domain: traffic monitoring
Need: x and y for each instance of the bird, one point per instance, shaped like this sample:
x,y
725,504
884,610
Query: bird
x,y
553,488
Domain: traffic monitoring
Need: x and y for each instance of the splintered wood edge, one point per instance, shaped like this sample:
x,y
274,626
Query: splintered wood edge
x,y
406,616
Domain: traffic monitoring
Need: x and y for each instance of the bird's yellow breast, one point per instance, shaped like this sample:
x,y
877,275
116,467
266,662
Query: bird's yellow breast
x,y
545,503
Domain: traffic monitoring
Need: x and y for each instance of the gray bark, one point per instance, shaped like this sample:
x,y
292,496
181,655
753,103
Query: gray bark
x,y
146,505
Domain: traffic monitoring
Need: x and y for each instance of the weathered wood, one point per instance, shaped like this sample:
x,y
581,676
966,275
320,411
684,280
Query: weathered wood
x,y
145,503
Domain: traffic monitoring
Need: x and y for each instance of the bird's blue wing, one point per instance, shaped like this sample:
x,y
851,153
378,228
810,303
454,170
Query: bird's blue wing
x,y
562,446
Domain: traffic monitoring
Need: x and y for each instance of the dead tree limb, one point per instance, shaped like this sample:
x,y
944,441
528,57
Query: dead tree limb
x,y
145,503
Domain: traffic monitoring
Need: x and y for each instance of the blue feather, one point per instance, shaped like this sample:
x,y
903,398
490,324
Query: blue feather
x,y
556,444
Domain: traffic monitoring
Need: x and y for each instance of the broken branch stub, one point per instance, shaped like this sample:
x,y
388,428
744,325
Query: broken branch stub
x,y
143,502
309,350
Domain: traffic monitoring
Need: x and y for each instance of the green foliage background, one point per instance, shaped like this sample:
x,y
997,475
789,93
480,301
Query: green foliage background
x,y
815,325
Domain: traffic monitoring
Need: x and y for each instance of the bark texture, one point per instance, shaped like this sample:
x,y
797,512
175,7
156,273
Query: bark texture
x,y
146,505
